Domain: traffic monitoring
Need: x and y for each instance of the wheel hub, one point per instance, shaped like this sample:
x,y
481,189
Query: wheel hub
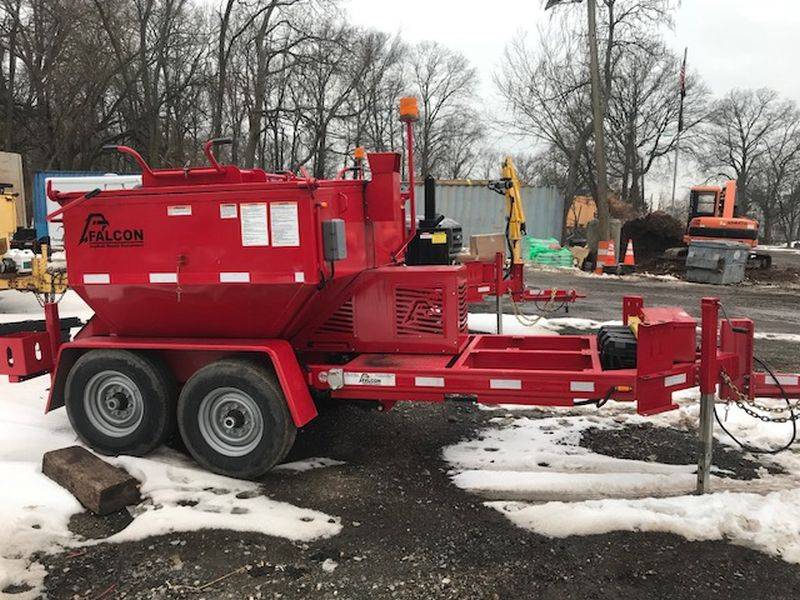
x,y
113,403
234,420
230,421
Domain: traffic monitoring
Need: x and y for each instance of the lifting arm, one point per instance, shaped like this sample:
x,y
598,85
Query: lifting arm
x,y
509,185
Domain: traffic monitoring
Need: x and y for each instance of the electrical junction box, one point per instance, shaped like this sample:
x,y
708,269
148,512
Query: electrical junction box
x,y
334,240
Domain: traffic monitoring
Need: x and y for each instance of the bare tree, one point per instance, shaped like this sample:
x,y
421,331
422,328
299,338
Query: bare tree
x,y
547,91
777,171
735,138
373,104
643,115
789,212
445,83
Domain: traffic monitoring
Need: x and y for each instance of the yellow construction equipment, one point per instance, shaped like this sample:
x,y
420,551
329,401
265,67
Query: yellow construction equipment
x,y
42,278
8,218
509,186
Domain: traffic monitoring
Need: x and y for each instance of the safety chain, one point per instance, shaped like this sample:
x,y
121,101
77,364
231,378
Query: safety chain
x,y
527,321
743,400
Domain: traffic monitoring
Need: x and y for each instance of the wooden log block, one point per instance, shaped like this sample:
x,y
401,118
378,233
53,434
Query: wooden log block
x,y
99,486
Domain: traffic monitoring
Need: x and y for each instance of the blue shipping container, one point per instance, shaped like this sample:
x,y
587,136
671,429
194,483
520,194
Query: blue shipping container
x,y
40,196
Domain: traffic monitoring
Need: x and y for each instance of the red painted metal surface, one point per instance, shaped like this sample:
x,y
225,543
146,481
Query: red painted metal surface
x,y
482,281
709,372
529,370
410,195
24,355
393,309
764,386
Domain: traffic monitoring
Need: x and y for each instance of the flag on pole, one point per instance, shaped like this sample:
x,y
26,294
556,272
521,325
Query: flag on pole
x,y
683,89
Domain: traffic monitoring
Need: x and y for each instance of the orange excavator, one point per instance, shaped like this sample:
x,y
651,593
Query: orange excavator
x,y
712,217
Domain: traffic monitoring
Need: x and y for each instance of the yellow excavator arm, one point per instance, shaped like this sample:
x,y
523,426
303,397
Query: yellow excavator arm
x,y
509,185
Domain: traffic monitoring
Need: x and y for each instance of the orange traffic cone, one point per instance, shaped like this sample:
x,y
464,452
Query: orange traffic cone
x,y
629,262
630,259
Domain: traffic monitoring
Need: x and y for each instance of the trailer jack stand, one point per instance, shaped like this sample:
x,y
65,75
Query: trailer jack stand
x,y
709,375
705,446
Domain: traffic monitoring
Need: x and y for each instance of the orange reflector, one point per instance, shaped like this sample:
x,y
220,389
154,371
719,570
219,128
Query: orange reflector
x,y
359,153
408,109
623,388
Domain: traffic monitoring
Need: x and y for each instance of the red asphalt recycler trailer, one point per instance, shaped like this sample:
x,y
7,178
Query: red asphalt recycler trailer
x,y
225,297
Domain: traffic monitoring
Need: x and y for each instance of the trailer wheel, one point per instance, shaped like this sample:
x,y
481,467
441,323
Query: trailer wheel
x,y
234,420
120,402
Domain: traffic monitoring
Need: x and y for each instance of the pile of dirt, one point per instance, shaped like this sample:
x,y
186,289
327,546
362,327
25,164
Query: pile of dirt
x,y
774,275
652,235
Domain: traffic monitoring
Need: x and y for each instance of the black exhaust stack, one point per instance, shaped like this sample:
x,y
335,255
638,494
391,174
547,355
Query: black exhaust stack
x,y
438,240
431,218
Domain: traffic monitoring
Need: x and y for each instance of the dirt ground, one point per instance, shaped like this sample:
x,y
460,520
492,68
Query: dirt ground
x,y
410,533
785,268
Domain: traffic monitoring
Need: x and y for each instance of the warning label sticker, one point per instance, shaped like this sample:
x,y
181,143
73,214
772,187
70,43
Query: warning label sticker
x,y
379,379
228,211
179,211
254,225
284,224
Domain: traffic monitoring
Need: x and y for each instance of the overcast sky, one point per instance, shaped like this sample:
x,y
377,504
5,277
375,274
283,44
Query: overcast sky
x,y
732,43
744,43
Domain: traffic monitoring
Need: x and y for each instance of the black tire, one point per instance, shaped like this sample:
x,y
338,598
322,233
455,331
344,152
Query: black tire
x,y
246,396
91,379
617,346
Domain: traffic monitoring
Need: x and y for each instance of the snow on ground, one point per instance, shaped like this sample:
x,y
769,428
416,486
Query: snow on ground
x,y
301,466
34,512
767,523
183,497
534,472
777,337
794,249
16,306
634,277
178,496
487,323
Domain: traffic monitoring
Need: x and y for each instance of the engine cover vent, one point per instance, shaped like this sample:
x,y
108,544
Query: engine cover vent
x,y
340,322
462,308
418,311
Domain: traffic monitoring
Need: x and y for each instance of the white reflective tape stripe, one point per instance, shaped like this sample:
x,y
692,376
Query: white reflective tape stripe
x,y
429,381
483,288
163,278
505,384
179,211
784,379
96,278
299,277
234,277
581,386
674,380
377,379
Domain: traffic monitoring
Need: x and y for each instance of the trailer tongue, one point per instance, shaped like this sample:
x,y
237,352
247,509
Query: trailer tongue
x,y
224,297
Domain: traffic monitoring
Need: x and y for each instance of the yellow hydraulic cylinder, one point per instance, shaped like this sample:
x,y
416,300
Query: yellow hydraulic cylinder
x,y
515,212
